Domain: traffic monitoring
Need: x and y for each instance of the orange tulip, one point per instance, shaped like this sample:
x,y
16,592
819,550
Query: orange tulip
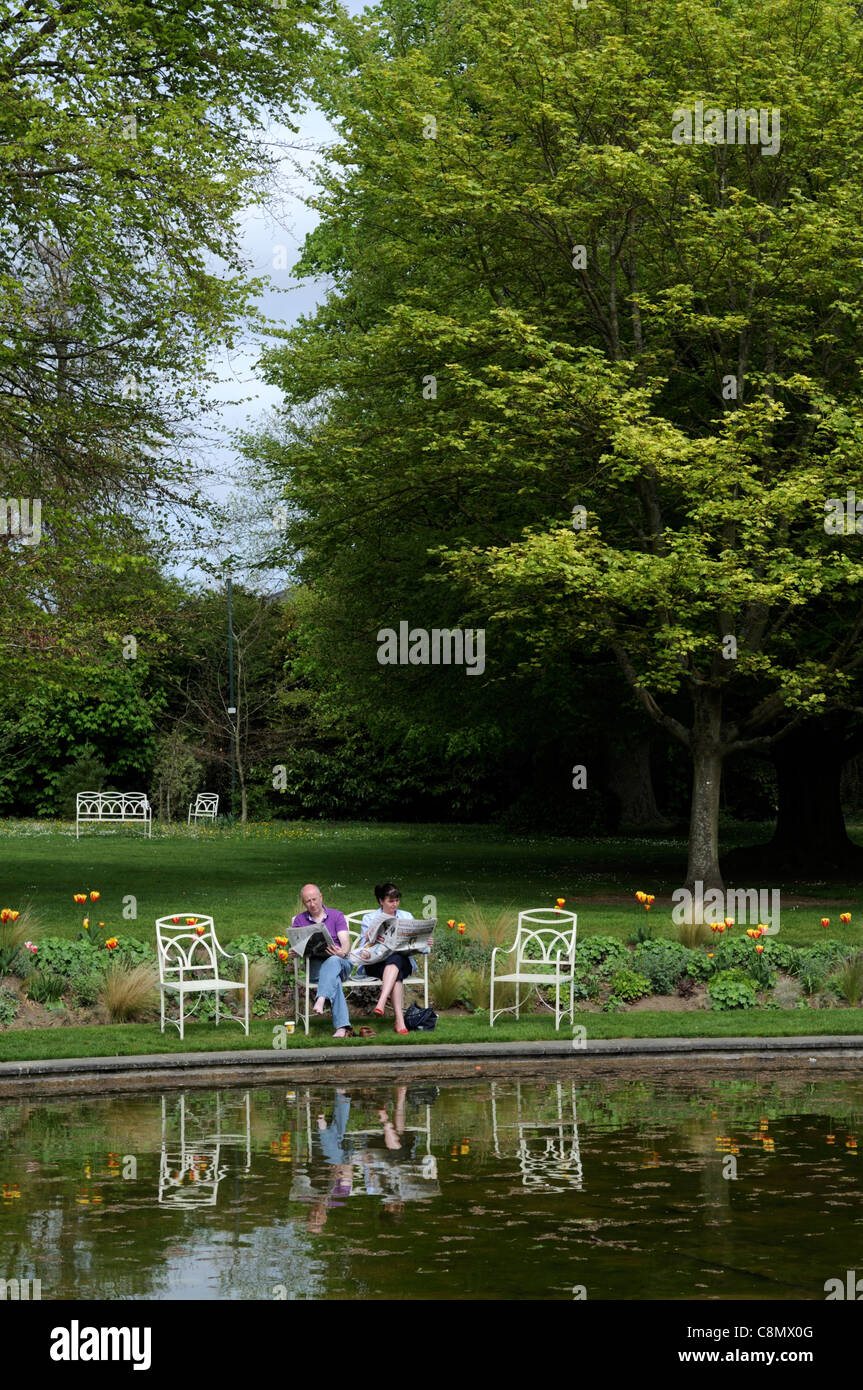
x,y
175,920
560,901
640,897
271,946
94,897
190,921
200,930
461,928
13,916
451,923
729,923
825,921
759,948
283,956
845,917
651,897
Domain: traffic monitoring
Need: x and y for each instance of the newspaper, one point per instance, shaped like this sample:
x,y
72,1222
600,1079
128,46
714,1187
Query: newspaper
x,y
388,934
312,943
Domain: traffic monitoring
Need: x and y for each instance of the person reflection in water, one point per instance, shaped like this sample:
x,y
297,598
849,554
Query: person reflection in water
x,y
331,1138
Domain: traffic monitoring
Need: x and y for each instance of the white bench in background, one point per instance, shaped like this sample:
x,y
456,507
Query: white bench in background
x,y
204,807
420,976
118,808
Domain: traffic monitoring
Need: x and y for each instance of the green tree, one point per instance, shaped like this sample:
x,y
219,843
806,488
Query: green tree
x,y
664,334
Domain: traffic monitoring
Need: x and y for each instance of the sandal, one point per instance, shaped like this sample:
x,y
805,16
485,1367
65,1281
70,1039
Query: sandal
x,y
348,1033
402,1030
367,1033
379,1012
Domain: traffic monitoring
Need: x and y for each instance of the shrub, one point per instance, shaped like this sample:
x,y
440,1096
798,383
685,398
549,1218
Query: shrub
x,y
12,938
9,1007
603,953
45,987
448,985
786,993
732,989
848,980
692,934
491,929
253,946
628,985
663,962
129,992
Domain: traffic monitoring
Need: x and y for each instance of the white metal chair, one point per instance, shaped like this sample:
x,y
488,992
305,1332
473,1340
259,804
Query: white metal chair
x,y
420,977
189,964
544,950
124,808
204,807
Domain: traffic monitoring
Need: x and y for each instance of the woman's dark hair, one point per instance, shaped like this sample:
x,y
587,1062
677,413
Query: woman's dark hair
x,y
385,890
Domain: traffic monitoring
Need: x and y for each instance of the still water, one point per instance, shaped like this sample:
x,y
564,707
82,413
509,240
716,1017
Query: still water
x,y
552,1188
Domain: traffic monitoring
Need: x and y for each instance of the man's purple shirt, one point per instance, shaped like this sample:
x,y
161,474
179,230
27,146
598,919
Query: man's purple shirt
x,y
334,921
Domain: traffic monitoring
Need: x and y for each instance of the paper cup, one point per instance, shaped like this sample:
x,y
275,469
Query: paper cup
x,y
289,1027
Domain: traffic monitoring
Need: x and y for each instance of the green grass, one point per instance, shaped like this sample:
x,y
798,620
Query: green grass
x,y
249,880
124,1040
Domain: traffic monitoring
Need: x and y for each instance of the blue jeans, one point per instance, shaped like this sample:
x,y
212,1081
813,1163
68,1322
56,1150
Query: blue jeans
x,y
328,975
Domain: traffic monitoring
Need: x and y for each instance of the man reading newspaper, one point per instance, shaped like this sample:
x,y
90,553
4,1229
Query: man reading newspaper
x,y
320,934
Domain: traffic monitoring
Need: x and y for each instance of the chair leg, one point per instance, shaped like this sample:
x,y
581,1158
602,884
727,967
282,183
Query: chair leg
x,y
491,1002
162,1004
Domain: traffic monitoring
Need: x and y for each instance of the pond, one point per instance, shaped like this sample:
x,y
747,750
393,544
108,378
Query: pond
x,y
626,1187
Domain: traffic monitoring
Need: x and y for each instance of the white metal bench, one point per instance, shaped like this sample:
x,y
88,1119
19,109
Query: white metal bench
x,y
420,976
204,807
119,808
188,964
544,949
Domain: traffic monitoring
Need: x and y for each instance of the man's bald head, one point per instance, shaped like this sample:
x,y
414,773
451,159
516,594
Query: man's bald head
x,y
312,898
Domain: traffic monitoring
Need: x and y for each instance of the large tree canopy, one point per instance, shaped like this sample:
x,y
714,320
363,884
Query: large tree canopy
x,y
665,334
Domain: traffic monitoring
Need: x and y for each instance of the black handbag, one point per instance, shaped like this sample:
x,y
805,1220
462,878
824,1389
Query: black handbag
x,y
420,1020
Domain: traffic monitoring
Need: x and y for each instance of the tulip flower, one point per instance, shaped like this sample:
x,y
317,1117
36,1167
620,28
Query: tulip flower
x,y
86,924
845,917
190,921
281,941
640,897
559,902
710,955
200,931
271,946
651,898
4,915
94,897
283,957
825,921
13,916
729,923
31,947
759,948
175,920
79,897
451,923
112,943
461,928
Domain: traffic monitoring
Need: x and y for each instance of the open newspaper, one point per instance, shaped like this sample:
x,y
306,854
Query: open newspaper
x,y
388,934
312,943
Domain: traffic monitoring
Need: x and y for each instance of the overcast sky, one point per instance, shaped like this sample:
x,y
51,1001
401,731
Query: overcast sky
x,y
272,236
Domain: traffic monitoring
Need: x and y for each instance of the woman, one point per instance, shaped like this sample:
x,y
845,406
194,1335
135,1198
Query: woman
x,y
393,971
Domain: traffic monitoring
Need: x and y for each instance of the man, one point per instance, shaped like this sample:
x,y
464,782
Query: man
x,y
328,974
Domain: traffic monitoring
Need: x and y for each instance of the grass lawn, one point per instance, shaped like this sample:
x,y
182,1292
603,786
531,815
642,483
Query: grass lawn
x,y
249,880
129,1039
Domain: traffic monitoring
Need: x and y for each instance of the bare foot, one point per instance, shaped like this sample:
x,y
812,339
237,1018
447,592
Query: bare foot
x,y
340,1033
322,1124
319,1005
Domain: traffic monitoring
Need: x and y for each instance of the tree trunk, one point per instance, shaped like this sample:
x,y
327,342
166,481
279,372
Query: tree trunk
x,y
810,839
707,755
631,782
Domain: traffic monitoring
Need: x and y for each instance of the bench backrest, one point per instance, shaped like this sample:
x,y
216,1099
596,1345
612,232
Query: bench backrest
x,y
112,805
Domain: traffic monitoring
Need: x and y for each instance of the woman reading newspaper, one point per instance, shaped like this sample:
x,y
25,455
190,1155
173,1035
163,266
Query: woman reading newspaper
x,y
393,971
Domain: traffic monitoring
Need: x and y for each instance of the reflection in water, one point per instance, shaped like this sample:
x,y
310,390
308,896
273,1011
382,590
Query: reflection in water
x,y
548,1152
705,1187
190,1169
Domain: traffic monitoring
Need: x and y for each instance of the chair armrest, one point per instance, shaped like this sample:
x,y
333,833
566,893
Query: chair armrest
x,y
504,950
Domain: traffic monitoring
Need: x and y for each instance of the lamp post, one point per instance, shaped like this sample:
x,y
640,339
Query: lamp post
x,y
232,709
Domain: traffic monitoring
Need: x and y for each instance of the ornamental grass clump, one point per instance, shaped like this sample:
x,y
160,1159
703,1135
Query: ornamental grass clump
x,y
448,985
848,980
129,993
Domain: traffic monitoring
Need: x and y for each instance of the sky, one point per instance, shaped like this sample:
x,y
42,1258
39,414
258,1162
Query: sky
x,y
272,238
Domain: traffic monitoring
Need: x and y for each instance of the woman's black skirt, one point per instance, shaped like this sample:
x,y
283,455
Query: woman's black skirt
x,y
404,964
